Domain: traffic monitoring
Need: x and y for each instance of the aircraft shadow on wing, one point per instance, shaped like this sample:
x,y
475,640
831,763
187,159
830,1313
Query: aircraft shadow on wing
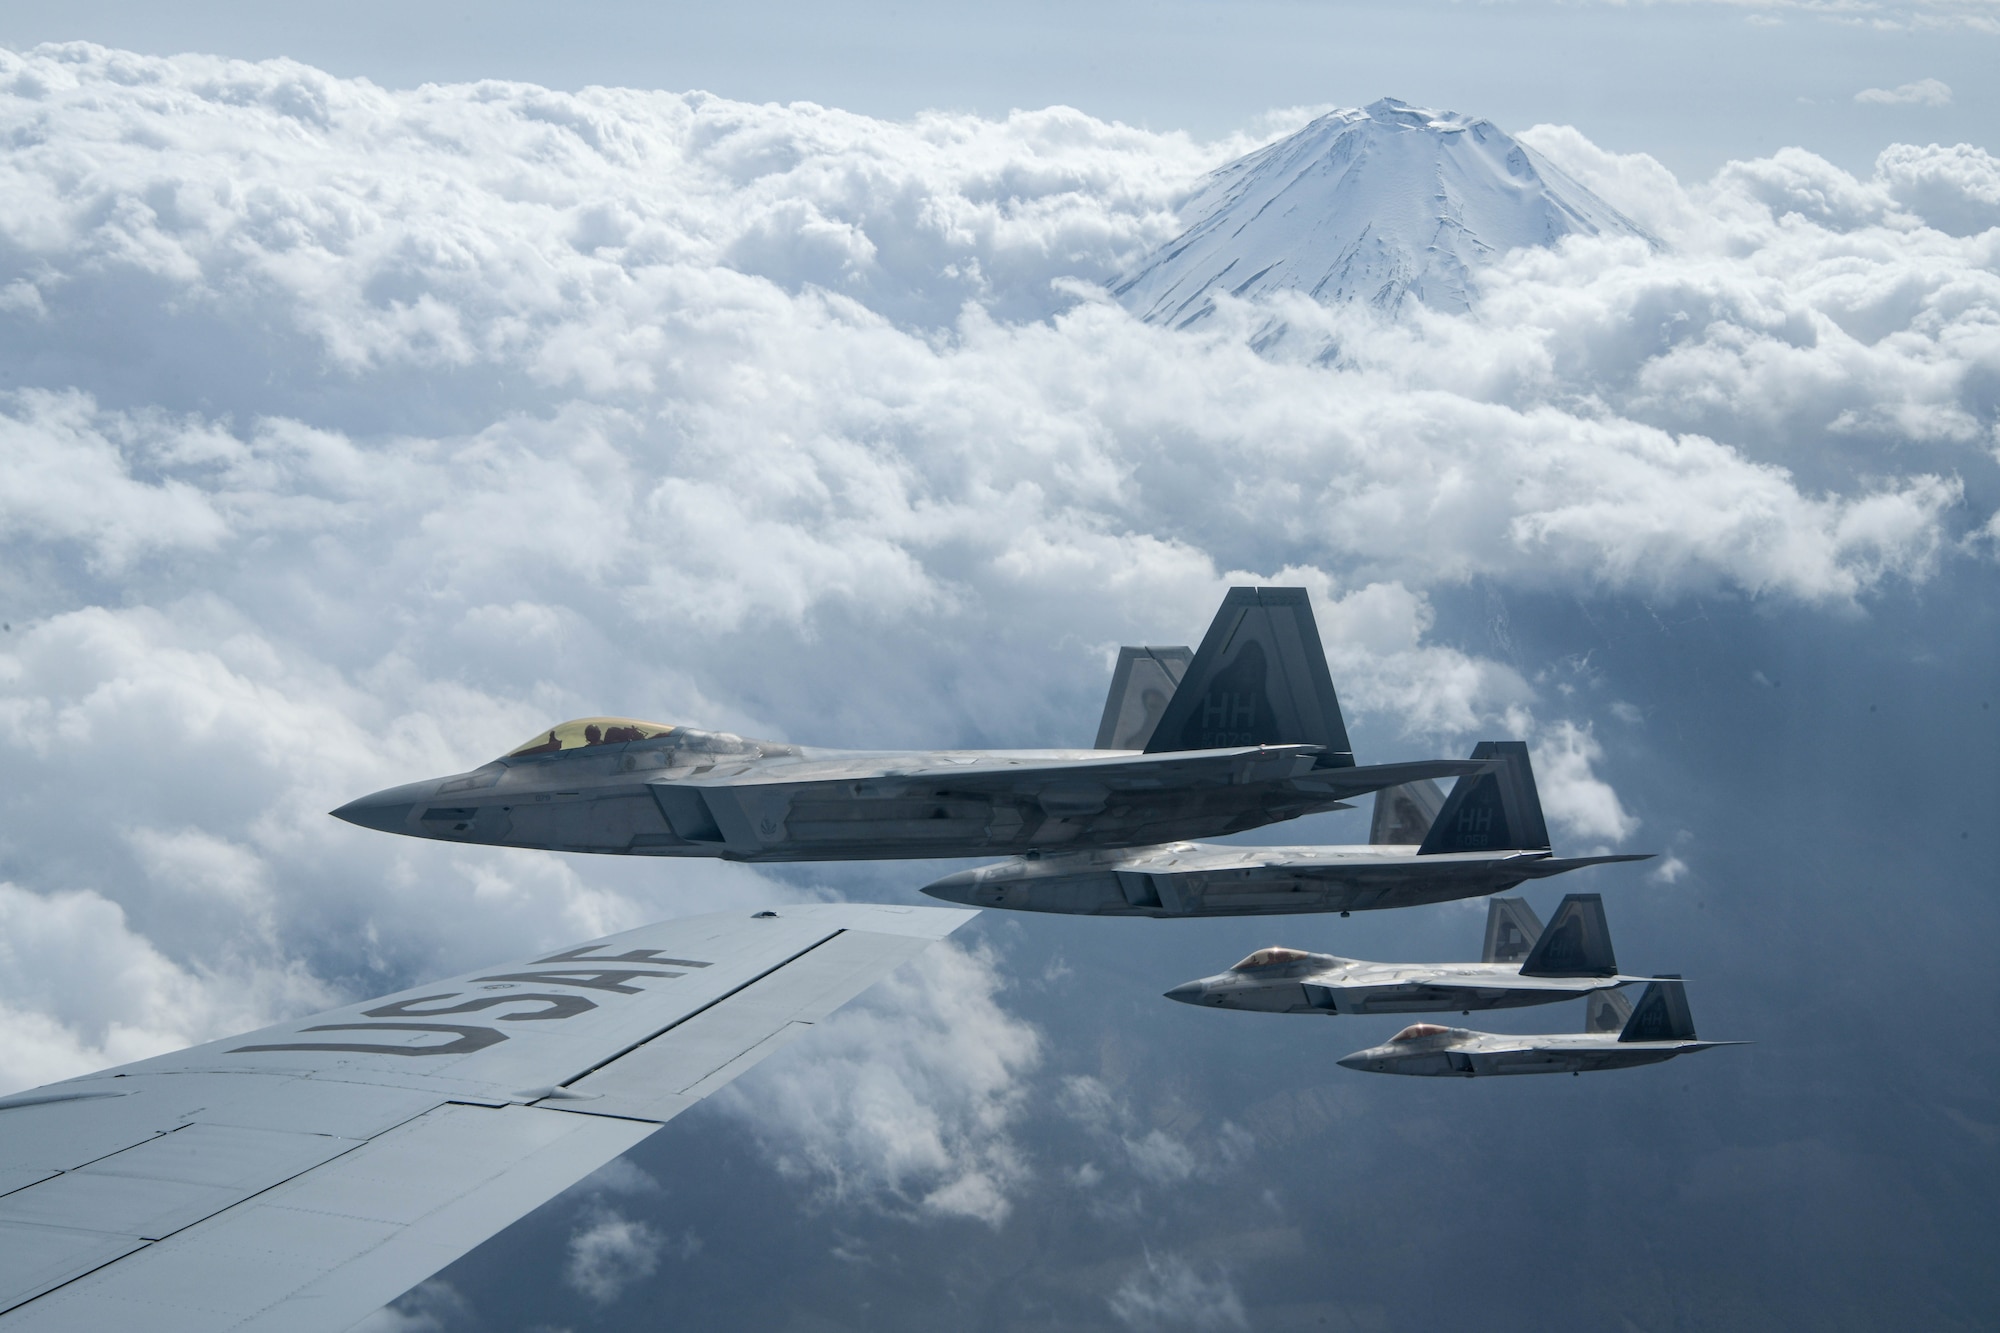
x,y
1243,733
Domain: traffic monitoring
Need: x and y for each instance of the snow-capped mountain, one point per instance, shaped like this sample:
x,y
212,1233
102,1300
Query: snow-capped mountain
x,y
1373,205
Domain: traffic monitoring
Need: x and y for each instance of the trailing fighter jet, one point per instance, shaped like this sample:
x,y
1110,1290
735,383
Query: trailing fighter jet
x,y
1572,957
1659,1028
1247,733
1486,837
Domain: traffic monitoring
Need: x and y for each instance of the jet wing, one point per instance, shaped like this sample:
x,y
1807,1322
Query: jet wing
x,y
1579,984
300,1177
986,771
1541,867
1000,775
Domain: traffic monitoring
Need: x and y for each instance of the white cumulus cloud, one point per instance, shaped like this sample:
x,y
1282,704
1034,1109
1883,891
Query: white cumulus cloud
x,y
1923,92
912,1095
352,435
609,1252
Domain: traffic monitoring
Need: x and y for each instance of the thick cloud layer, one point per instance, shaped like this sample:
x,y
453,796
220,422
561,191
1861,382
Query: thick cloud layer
x,y
348,436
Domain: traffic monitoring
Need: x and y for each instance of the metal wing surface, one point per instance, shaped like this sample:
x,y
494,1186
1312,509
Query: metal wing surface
x,y
302,1176
1576,985
970,803
998,773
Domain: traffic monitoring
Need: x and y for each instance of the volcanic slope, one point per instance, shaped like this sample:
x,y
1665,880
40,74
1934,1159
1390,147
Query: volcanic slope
x,y
1375,205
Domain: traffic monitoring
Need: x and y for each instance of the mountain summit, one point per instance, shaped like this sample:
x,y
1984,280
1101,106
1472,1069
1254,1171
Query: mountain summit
x,y
1373,205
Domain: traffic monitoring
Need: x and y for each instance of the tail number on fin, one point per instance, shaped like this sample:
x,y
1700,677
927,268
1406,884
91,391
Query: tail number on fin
x,y
1234,711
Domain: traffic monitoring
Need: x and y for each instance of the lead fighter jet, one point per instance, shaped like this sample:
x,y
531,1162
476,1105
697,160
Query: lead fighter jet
x,y
1486,837
1251,734
1659,1028
1571,958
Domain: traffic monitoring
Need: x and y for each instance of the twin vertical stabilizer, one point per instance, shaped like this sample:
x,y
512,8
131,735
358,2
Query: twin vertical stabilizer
x,y
1404,815
1259,678
1511,931
1492,811
1662,1013
1141,685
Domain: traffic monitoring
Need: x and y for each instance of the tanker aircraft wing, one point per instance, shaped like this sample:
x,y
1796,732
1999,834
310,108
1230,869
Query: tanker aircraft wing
x,y
297,1178
1245,732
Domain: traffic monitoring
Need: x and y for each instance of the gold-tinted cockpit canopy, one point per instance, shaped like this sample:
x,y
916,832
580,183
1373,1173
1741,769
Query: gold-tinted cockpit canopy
x,y
1271,958
585,732
1418,1031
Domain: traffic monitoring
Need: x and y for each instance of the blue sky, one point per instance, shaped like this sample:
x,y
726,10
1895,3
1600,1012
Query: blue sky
x,y
1693,84
350,432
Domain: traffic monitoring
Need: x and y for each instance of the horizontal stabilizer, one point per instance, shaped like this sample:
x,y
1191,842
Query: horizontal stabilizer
x,y
1577,942
1511,930
1544,866
1358,780
1496,810
1142,684
1404,814
1259,678
1661,1014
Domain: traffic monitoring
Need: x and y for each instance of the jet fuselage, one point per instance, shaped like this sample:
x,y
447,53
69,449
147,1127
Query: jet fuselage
x,y
1206,879
1294,982
678,791
1427,1050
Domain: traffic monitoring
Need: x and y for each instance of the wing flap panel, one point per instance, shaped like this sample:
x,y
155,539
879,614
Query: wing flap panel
x,y
36,1259
705,1051
328,1248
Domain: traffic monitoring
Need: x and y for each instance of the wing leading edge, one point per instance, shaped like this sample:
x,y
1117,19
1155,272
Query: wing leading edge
x,y
302,1176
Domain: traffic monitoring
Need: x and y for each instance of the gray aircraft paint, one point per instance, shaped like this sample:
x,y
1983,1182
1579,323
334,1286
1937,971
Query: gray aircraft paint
x,y
1511,931
1570,959
1259,678
1660,1028
1258,689
1141,685
1606,1011
1489,835
1404,814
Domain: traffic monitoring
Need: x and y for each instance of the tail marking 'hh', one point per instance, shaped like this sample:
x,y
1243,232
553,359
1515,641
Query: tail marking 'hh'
x,y
1259,678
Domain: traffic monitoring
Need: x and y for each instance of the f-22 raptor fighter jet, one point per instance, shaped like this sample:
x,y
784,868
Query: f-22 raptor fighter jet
x,y
1251,734
1571,958
1659,1028
1486,837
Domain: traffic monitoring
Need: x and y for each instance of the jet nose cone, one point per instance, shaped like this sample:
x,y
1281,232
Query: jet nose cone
x,y
388,810
1188,992
958,888
1358,1060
